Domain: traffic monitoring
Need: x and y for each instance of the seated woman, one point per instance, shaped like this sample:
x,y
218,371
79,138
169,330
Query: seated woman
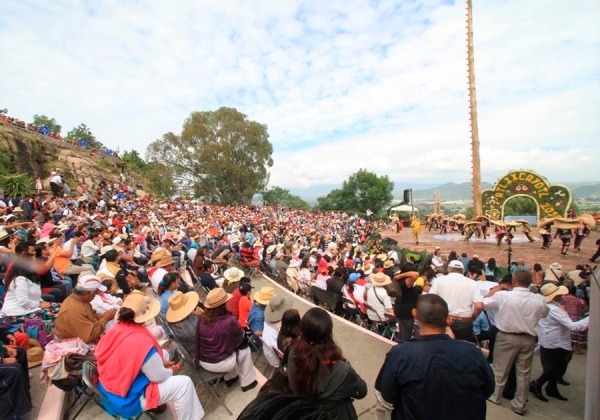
x,y
220,345
166,287
133,376
317,370
183,319
23,298
15,400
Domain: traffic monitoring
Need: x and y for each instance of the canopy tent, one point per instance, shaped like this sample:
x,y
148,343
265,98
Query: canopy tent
x,y
405,208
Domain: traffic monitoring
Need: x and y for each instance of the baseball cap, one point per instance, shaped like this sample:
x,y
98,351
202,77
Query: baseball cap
x,y
456,264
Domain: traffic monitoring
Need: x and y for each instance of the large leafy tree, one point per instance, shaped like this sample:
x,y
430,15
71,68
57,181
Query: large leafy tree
x,y
277,196
82,132
220,155
40,120
363,190
134,160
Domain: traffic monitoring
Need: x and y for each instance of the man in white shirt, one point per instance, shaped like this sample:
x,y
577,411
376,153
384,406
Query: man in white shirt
x,y
555,342
463,298
517,317
273,314
437,260
378,298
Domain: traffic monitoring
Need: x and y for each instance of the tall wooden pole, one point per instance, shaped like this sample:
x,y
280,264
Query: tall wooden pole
x,y
476,165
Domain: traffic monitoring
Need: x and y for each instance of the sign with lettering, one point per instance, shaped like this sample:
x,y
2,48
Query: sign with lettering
x,y
553,200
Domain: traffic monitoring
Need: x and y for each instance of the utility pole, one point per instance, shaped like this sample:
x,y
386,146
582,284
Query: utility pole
x,y
475,160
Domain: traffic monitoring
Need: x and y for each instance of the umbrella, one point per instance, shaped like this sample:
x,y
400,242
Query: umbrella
x,y
481,217
523,222
460,216
588,219
473,222
497,222
512,223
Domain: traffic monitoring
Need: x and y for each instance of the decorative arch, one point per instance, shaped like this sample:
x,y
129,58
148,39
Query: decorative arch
x,y
553,200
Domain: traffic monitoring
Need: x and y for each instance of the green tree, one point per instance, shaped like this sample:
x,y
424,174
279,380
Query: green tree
x,y
160,179
82,132
47,121
363,190
520,206
134,160
220,155
277,196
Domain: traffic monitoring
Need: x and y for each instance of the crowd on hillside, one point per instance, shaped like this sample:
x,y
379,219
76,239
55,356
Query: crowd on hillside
x,y
136,283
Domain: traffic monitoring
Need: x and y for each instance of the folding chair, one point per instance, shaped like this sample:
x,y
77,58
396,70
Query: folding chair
x,y
270,355
210,380
246,266
89,373
391,318
81,391
382,326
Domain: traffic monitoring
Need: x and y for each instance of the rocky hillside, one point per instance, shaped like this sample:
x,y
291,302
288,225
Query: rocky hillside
x,y
37,155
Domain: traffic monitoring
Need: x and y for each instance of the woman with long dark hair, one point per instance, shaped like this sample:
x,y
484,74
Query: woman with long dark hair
x,y
23,299
167,286
290,329
491,270
220,344
318,371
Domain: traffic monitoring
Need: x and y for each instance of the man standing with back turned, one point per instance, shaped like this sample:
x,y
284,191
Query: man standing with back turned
x,y
433,376
517,317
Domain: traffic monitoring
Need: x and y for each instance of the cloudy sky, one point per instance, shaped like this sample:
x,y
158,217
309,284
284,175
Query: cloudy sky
x,y
341,85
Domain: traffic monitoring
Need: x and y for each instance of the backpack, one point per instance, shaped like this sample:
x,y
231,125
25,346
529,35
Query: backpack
x,y
38,330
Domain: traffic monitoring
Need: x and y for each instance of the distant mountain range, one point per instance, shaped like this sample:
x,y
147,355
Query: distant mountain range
x,y
452,191
449,191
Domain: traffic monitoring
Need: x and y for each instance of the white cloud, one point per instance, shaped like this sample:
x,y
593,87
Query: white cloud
x,y
341,85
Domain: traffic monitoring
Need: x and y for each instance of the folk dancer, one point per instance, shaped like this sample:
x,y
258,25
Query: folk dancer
x,y
527,232
580,234
546,236
415,225
565,236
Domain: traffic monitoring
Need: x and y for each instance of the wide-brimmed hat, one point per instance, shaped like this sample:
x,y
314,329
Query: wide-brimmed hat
x,y
164,261
380,279
270,249
91,283
3,234
234,239
45,240
216,297
276,307
17,209
367,269
233,274
264,295
35,355
258,244
107,248
158,254
555,266
181,305
144,307
388,264
551,290
382,257
294,264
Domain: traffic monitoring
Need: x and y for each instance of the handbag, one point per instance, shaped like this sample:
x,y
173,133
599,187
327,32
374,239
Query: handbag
x,y
37,329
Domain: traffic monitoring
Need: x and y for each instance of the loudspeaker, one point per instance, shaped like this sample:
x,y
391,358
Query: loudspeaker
x,y
407,196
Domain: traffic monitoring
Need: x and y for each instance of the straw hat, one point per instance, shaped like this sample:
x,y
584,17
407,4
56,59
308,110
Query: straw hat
x,y
164,261
35,355
17,210
3,234
382,257
381,279
276,307
551,290
270,249
145,307
181,305
258,244
367,269
294,264
216,297
264,295
107,248
388,264
45,241
233,274
158,254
